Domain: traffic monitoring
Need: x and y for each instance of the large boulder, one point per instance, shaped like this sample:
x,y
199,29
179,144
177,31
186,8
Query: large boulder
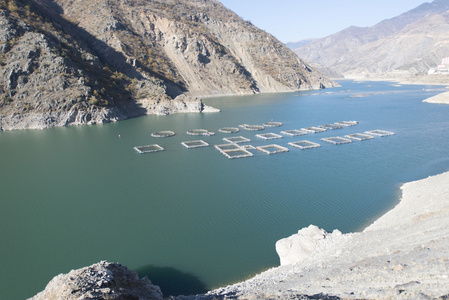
x,y
102,280
309,242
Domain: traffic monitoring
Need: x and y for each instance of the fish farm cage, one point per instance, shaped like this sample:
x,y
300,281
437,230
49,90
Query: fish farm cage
x,y
233,151
165,133
378,132
252,127
148,148
347,123
269,136
227,147
304,145
195,144
203,132
237,139
331,126
272,149
359,136
336,140
294,132
313,129
272,124
229,130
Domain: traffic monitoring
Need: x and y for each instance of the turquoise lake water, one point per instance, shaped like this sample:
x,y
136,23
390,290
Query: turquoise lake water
x,y
191,219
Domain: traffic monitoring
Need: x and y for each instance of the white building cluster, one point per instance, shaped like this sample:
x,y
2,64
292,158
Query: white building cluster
x,y
443,68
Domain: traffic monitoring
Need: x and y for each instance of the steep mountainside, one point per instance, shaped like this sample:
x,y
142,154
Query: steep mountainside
x,y
66,62
402,46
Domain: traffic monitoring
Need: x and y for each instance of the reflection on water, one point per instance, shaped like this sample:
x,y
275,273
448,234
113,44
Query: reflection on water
x,y
171,281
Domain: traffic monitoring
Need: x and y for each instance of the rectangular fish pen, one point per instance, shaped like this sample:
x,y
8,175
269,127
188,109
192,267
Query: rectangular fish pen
x,y
227,147
336,140
378,132
148,148
313,129
269,136
347,123
294,132
272,149
331,126
359,136
236,139
304,144
195,144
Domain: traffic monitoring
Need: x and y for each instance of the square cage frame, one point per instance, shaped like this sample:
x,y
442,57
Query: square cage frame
x,y
149,148
379,132
236,139
359,136
279,149
194,144
337,140
294,132
269,136
304,144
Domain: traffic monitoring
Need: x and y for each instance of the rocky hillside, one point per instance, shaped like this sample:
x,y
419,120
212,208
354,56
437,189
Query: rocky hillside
x,y
403,46
66,62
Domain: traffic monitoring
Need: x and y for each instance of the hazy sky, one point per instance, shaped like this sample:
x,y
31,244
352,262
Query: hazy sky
x,y
294,20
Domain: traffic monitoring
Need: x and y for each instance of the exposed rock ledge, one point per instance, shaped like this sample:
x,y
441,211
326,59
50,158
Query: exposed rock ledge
x,y
80,115
402,255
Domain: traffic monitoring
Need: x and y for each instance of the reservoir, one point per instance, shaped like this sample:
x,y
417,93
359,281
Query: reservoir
x,y
192,219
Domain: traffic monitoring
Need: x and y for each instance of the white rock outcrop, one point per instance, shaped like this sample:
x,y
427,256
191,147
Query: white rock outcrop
x,y
308,243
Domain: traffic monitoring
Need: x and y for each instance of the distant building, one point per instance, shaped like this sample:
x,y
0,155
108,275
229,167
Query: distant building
x,y
443,68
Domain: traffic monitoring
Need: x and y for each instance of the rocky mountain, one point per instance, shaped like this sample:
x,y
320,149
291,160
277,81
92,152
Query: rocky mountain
x,y
406,45
65,62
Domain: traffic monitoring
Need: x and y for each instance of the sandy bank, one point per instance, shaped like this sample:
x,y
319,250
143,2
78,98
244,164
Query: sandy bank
x,y
442,98
404,254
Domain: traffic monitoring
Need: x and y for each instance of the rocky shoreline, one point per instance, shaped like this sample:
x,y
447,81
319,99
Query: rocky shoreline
x,y
402,255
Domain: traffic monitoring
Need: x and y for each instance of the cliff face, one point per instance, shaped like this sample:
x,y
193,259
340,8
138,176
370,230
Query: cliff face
x,y
78,62
403,46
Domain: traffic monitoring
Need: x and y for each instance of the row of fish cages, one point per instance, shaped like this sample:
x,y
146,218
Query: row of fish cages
x,y
233,148
229,130
367,135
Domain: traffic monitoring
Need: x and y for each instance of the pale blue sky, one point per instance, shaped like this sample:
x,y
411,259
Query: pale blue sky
x,y
294,20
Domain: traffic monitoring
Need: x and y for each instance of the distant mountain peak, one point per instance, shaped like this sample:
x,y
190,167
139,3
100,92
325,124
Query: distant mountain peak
x,y
401,46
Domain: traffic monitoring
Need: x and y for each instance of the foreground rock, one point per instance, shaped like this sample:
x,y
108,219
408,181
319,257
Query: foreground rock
x,y
100,281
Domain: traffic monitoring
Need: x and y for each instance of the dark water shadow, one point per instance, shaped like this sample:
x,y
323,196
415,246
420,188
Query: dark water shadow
x,y
171,281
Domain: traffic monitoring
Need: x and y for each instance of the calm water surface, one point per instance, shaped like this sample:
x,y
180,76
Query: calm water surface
x,y
74,196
